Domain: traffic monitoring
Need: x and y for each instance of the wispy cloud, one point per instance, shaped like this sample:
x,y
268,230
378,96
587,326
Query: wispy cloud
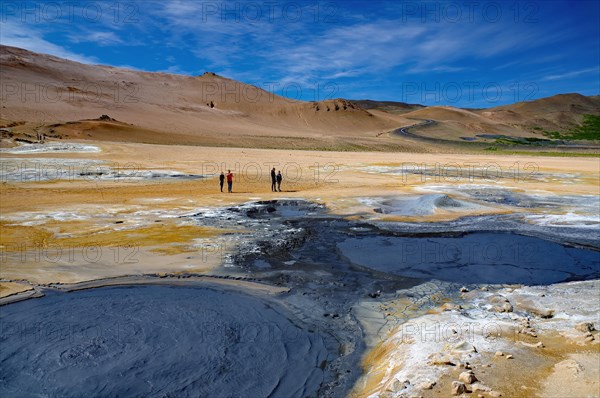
x,y
365,48
25,36
101,38
576,73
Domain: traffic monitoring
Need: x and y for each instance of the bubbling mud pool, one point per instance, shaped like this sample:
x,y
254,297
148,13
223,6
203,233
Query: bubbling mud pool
x,y
157,341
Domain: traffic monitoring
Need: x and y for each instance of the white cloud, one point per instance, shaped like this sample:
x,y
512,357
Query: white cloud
x,y
306,52
99,38
571,74
25,36
176,70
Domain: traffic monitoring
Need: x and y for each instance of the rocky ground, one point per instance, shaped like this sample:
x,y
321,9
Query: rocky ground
x,y
491,341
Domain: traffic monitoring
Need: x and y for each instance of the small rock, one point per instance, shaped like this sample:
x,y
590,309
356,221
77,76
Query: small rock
x,y
427,385
463,348
534,308
500,303
440,359
467,377
539,344
396,385
589,339
463,289
463,365
499,353
494,394
506,307
497,299
480,387
458,388
451,307
528,331
585,327
509,357
570,365
545,313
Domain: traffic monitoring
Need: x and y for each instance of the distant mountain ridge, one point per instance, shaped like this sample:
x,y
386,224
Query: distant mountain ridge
x,y
388,106
43,88
64,98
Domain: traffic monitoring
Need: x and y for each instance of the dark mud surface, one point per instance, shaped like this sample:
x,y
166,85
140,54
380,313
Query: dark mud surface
x,y
479,257
159,341
370,256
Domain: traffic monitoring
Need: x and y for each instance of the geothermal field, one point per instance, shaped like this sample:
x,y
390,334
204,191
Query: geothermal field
x,y
410,250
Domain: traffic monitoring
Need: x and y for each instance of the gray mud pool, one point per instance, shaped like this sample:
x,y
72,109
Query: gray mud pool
x,y
156,341
478,257
484,250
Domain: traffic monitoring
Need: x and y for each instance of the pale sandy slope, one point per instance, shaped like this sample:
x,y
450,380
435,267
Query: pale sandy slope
x,y
557,113
561,113
47,94
43,88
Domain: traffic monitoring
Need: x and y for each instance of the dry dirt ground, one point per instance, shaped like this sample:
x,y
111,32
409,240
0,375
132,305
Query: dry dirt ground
x,y
40,210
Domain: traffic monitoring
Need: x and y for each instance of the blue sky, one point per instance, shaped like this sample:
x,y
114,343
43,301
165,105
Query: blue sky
x,y
459,53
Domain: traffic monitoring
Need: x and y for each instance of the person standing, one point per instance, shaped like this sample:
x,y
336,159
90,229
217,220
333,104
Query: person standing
x,y
229,181
279,178
273,180
222,180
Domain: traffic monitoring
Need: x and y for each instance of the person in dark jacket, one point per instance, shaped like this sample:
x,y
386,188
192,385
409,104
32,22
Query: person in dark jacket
x,y
279,178
222,180
273,180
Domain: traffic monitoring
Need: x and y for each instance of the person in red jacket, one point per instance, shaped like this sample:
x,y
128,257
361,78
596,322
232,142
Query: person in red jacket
x,y
229,181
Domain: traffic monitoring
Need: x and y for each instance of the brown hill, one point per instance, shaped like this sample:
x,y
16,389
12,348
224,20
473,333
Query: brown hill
x,y
63,99
453,123
48,90
388,106
529,119
560,112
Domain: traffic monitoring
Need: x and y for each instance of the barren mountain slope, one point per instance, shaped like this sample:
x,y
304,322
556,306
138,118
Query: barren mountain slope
x,y
560,112
47,89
